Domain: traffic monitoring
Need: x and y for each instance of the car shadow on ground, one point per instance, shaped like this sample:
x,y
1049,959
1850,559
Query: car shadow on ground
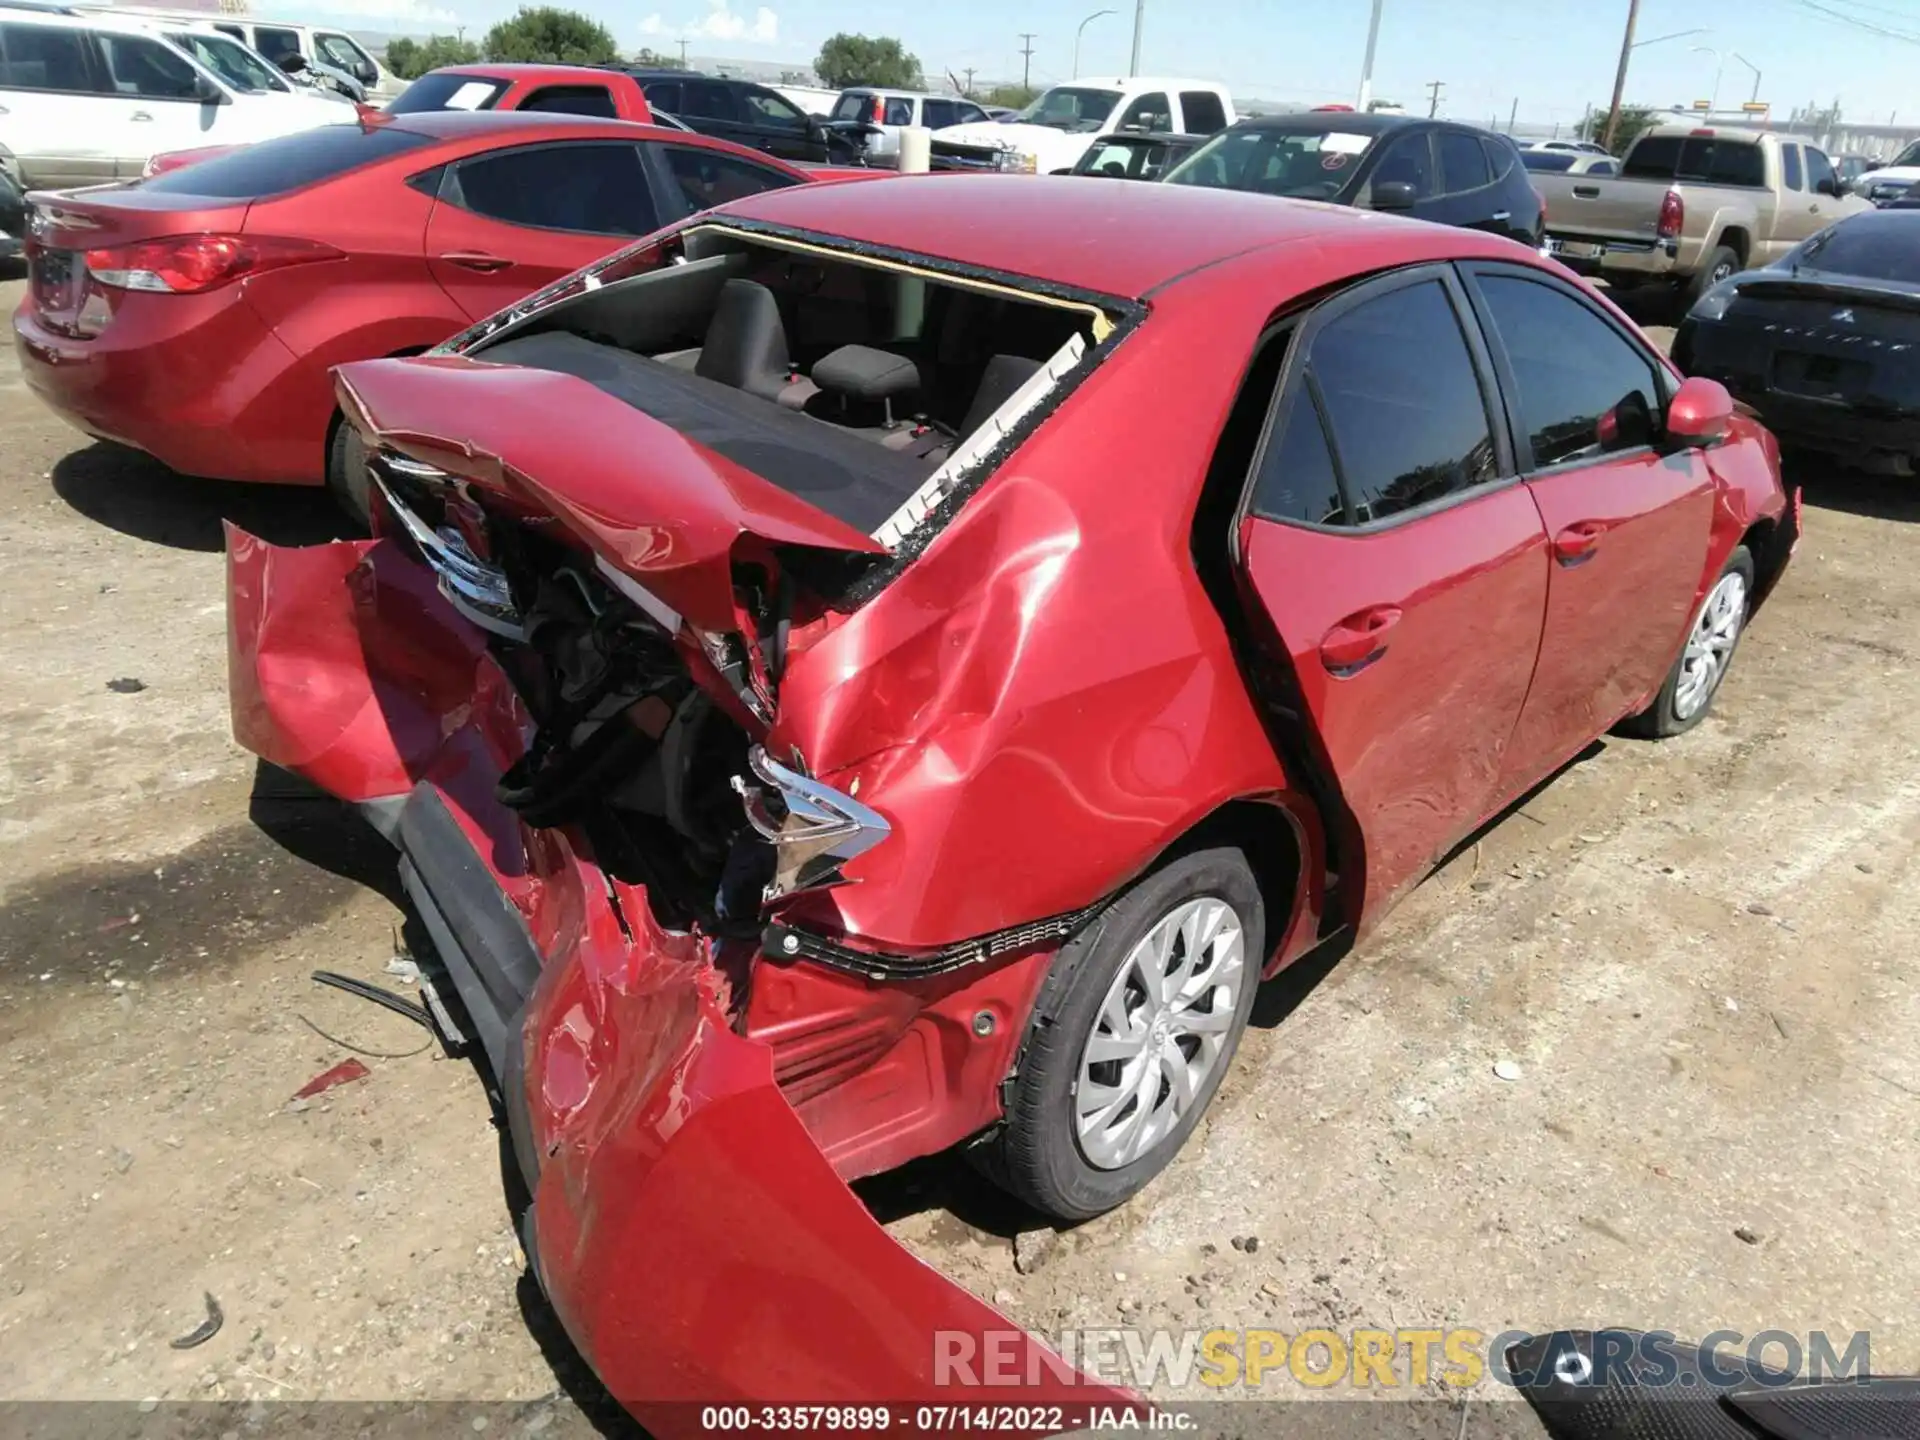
x,y
13,268
138,496
1828,486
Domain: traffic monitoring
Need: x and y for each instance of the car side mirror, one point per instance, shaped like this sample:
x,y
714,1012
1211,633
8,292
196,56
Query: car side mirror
x,y
1393,195
1700,414
1826,185
292,63
364,72
208,93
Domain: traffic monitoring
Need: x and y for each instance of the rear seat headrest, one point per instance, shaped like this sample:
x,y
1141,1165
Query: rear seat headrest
x,y
1004,375
746,344
860,372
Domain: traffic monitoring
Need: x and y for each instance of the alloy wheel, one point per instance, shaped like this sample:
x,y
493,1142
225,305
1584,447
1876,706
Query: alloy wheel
x,y
1710,645
1159,1032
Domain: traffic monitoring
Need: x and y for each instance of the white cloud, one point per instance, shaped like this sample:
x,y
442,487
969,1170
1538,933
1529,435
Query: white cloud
x,y
720,22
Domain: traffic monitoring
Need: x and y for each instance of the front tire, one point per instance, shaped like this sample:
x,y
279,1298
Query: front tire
x,y
1687,693
1136,1024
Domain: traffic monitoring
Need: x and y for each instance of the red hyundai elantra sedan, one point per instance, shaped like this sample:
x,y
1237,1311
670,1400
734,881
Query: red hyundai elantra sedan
x,y
195,315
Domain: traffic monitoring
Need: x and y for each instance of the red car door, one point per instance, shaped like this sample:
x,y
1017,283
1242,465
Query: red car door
x,y
511,220
1402,569
1627,525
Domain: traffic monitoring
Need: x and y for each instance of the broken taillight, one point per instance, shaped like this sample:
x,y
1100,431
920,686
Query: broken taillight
x,y
1673,215
191,264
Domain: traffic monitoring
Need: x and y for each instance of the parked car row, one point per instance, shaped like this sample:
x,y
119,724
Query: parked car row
x,y
91,97
863,671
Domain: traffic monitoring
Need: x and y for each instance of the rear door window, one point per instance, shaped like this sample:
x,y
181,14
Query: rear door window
x,y
1790,167
1402,398
663,95
40,57
705,100
148,69
706,178
593,187
1297,480
1463,164
1201,112
274,167
595,100
1500,156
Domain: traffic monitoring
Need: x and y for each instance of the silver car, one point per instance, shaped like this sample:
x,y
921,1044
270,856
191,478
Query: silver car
x,y
882,114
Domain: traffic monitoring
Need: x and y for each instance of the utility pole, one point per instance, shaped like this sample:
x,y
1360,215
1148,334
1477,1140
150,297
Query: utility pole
x,y
1026,60
1620,76
1434,87
683,54
969,90
1139,19
1513,114
1366,65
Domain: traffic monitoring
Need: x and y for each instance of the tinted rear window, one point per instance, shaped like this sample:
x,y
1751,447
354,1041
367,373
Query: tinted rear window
x,y
273,167
444,91
852,105
1881,246
1711,160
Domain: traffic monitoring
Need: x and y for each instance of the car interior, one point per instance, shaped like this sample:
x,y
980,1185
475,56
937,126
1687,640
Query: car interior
x,y
851,385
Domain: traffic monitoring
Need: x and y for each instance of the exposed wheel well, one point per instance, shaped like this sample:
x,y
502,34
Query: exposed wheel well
x,y
1269,837
1738,241
1768,541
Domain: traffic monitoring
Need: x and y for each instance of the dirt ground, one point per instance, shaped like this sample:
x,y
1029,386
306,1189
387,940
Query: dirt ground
x,y
1702,957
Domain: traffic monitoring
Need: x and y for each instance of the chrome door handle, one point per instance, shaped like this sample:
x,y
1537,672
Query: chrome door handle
x,y
1503,214
141,115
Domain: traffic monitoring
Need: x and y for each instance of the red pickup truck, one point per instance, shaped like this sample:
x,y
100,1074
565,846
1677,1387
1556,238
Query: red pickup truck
x,y
557,89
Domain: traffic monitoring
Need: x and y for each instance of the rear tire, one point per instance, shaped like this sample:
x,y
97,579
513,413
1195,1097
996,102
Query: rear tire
x,y
1719,264
1687,693
347,473
1198,922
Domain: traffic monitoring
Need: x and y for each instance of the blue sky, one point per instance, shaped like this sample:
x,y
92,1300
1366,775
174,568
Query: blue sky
x,y
1552,55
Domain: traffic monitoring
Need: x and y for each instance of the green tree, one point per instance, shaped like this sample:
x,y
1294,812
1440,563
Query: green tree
x,y
654,60
546,33
1634,121
410,59
1013,97
857,60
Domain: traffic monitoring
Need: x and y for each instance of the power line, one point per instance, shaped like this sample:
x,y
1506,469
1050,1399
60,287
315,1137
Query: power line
x,y
1871,27
1026,60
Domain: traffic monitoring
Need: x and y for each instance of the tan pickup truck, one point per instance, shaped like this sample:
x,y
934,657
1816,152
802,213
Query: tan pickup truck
x,y
1693,204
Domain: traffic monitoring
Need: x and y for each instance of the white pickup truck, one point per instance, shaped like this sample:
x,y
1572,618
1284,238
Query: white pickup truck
x,y
1052,133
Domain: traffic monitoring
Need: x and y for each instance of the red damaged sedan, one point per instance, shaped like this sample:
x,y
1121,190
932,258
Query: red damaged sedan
x,y
879,668
196,315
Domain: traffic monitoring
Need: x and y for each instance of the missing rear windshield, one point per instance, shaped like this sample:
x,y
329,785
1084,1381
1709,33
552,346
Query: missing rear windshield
x,y
877,391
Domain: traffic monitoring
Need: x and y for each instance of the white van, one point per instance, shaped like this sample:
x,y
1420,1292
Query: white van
x,y
274,38
86,99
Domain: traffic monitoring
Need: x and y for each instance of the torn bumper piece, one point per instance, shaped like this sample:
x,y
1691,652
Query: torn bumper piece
x,y
695,1242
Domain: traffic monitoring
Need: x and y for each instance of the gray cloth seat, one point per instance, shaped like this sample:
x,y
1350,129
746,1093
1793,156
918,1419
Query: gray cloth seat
x,y
1004,375
746,344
